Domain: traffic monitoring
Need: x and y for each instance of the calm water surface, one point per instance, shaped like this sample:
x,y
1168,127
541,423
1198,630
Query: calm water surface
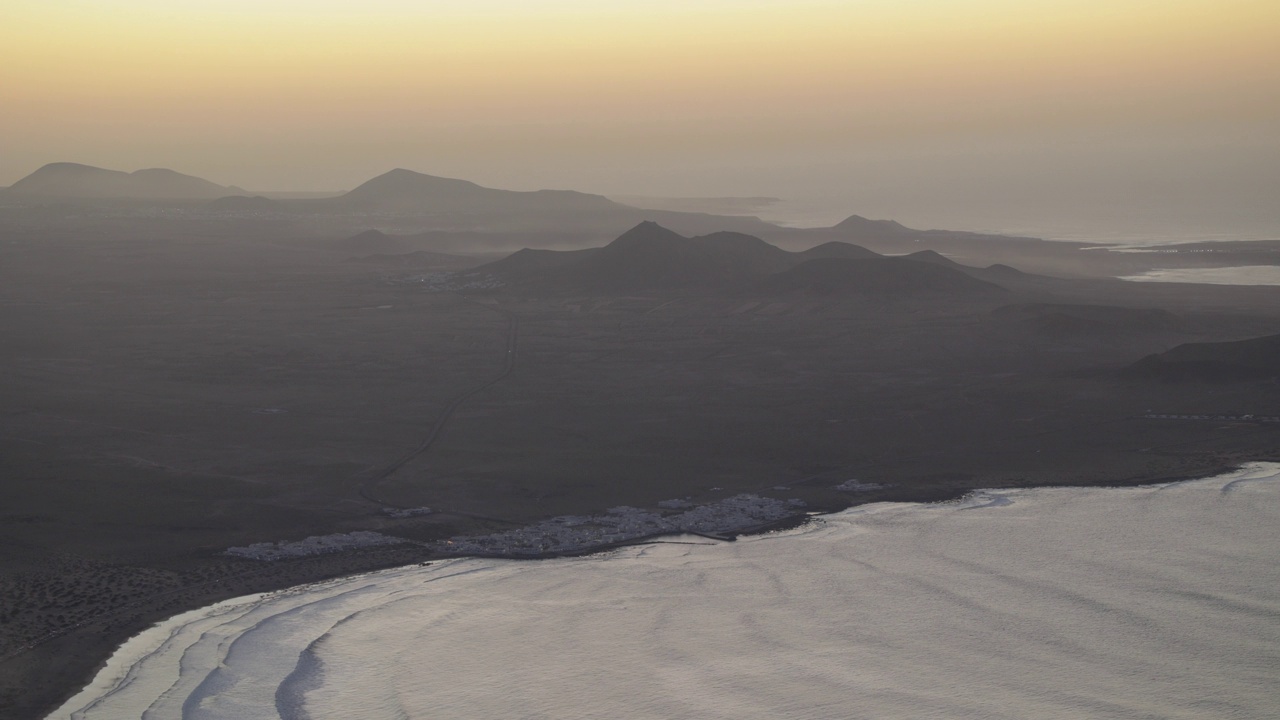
x,y
1247,275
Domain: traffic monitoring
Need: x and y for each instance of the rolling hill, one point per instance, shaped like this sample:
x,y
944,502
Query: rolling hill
x,y
73,181
858,225
837,249
406,191
650,257
448,204
646,257
1238,361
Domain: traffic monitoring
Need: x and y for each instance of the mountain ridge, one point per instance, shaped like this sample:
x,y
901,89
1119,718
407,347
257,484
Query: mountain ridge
x,y
76,181
1253,359
411,191
650,257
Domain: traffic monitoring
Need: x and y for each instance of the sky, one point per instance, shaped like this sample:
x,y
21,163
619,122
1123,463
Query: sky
x,y
991,113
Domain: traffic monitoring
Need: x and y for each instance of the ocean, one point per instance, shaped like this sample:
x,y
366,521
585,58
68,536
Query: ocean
x,y
1144,602
1247,275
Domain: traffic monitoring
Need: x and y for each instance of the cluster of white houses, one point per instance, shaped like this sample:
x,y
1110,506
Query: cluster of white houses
x,y
854,485
559,535
445,281
576,533
314,545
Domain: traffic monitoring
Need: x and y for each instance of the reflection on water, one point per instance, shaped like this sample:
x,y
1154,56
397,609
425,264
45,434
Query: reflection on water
x,y
1247,275
1048,603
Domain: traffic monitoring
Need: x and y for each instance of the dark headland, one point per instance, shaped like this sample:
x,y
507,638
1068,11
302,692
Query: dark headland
x,y
188,368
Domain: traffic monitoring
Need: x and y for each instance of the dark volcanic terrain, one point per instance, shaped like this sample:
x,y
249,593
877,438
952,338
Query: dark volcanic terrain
x,y
1256,359
179,380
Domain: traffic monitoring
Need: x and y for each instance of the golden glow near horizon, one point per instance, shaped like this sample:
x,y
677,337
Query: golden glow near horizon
x,y
100,81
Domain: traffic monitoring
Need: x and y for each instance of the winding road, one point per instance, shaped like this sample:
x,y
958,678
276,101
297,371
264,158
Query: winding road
x,y
369,487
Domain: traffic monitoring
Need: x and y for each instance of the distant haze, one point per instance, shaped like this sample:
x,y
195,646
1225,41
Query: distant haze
x,y
1055,117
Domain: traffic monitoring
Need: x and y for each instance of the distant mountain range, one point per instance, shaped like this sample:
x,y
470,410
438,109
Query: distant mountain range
x,y
560,218
458,216
881,278
452,205
438,203
411,192
650,257
72,181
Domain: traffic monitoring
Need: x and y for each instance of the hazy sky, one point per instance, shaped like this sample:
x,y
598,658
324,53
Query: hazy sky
x,y
901,106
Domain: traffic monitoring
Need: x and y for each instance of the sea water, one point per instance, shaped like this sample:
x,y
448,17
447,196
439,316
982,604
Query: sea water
x,y
1246,275
1144,602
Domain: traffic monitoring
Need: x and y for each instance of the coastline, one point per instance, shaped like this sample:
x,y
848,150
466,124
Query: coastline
x,y
64,664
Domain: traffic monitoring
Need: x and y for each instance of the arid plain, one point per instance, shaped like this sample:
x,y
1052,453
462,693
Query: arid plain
x,y
179,380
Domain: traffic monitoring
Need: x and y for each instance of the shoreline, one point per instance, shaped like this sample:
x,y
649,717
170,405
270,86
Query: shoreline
x,y
101,637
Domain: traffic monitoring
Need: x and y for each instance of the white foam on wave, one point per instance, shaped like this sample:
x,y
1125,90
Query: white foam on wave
x,y
1156,601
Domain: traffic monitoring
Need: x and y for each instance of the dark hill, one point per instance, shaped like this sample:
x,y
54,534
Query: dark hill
x,y
884,277
648,257
735,254
1017,280
933,257
553,218
73,181
1000,270
1242,360
648,235
858,225
527,262
651,257
837,249
1002,275
404,189
407,191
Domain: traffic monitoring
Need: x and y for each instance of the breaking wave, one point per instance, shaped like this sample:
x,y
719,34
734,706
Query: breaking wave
x,y
1156,601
